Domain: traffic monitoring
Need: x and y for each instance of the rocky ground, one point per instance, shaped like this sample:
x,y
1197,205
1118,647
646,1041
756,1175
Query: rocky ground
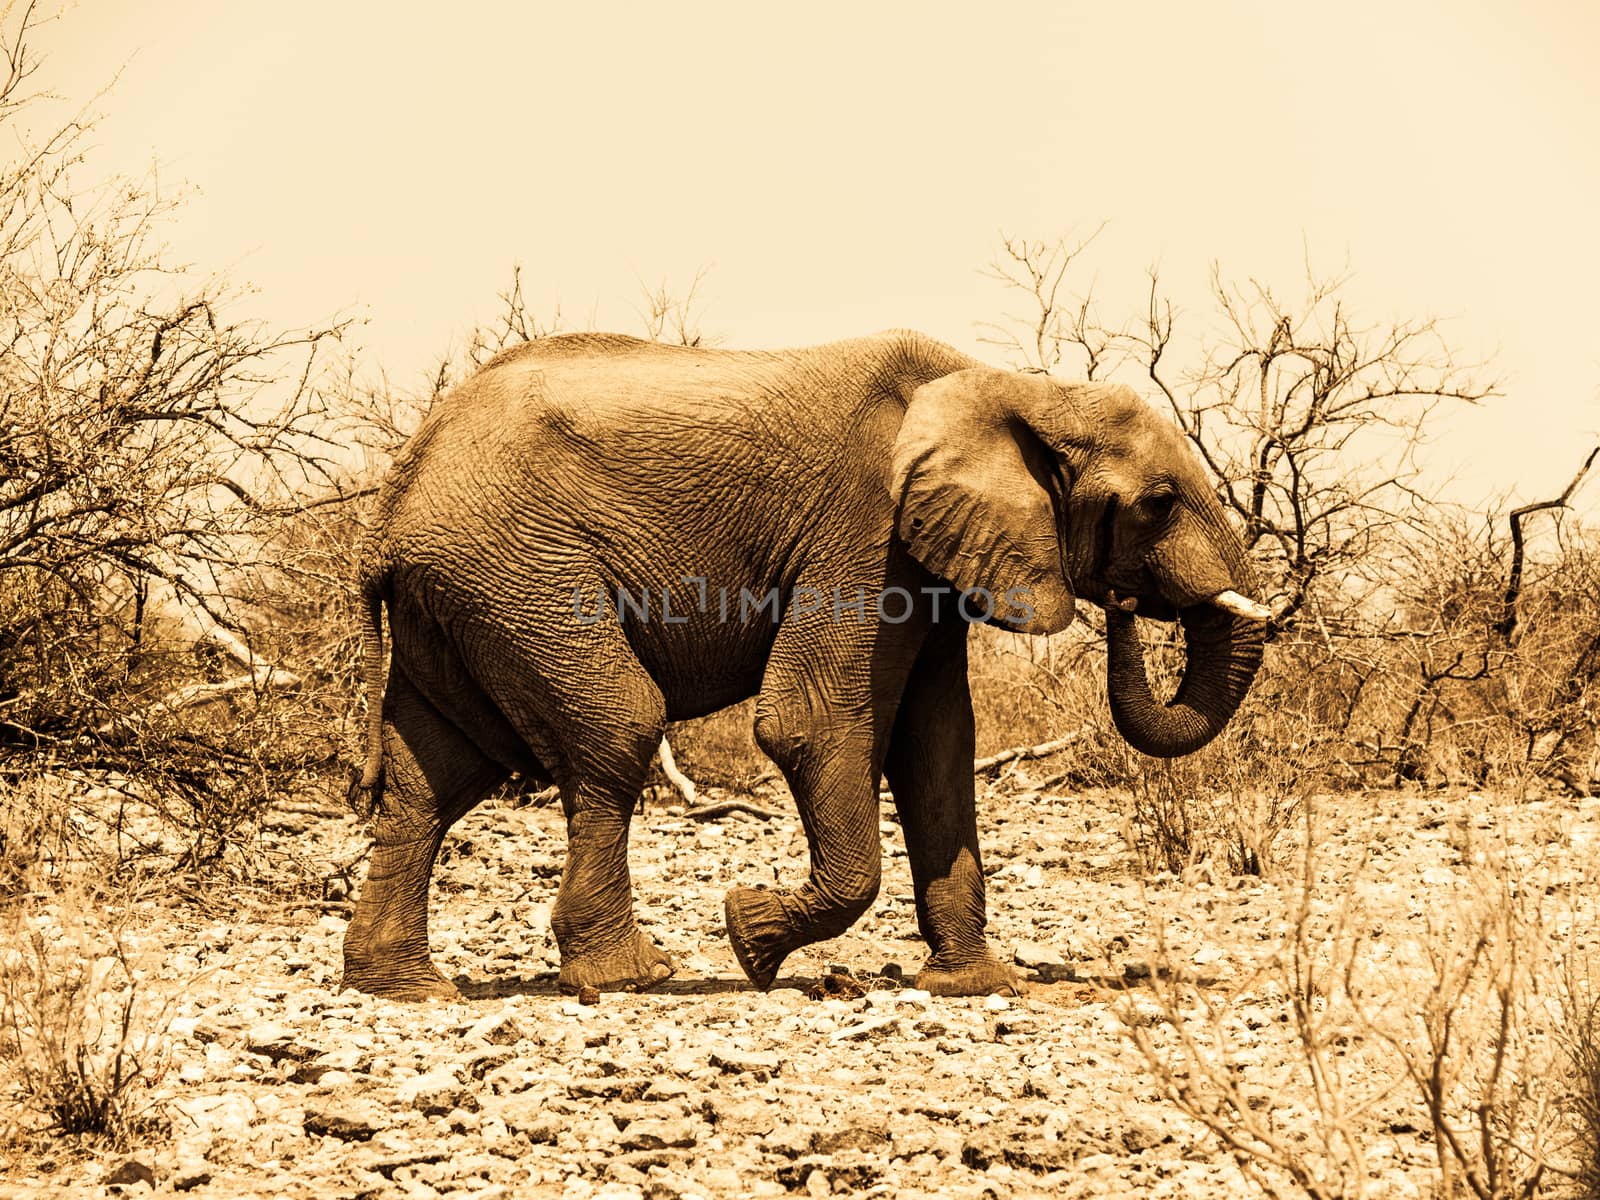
x,y
276,1083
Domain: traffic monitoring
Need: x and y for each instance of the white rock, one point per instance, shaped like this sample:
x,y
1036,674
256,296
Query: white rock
x,y
432,1092
1035,954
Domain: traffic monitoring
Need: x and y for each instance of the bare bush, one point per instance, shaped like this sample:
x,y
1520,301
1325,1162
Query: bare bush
x,y
1228,805
146,437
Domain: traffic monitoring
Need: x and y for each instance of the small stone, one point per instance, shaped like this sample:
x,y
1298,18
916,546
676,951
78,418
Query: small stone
x,y
214,1029
791,1141
996,1002
626,1173
189,1173
348,1123
497,1029
129,1173
851,1171
529,1116
651,1133
873,1029
219,1060
588,995
228,1116
1034,955
348,1059
1144,1133
870,1136
666,1089
892,970
433,1093
836,986
276,1042
763,1064
486,1061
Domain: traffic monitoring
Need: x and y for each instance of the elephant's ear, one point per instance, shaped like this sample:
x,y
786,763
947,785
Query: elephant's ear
x,y
968,506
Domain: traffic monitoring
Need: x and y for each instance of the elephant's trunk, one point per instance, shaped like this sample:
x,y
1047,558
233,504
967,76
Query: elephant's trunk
x,y
1224,651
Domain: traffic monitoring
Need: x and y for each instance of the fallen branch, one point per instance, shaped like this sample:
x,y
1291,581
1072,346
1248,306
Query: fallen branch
x,y
1049,781
721,808
261,678
292,809
981,765
257,676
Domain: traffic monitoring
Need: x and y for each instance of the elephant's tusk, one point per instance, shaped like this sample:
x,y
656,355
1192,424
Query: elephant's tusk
x,y
1241,606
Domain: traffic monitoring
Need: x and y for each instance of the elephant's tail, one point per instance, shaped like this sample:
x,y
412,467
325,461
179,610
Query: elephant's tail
x,y
365,791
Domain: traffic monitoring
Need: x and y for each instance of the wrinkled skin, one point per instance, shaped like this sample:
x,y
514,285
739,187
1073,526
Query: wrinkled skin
x,y
575,465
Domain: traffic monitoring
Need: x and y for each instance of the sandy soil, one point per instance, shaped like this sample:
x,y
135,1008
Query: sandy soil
x,y
278,1084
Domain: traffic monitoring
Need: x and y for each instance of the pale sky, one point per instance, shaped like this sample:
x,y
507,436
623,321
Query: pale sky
x,y
841,168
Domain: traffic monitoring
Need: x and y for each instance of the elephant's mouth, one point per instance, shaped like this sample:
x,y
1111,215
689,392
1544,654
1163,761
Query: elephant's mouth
x,y
1157,608
1136,591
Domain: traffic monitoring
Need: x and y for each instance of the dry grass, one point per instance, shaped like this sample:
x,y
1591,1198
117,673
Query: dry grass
x,y
81,1026
1452,1030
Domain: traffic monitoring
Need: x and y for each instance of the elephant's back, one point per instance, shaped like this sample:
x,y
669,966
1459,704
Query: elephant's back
x,y
614,440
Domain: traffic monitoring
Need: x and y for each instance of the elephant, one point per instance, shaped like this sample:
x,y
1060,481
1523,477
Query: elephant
x,y
595,535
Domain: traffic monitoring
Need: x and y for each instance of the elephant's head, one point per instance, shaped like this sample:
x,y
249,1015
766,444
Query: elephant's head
x,y
1044,490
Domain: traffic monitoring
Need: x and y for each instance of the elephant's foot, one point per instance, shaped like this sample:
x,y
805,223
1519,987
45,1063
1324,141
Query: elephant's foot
x,y
412,982
635,965
760,931
978,977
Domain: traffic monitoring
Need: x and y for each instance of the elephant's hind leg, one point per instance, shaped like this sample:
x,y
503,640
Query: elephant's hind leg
x,y
598,716
601,944
432,774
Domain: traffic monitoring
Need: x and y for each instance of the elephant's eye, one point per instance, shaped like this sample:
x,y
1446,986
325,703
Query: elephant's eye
x,y
1158,507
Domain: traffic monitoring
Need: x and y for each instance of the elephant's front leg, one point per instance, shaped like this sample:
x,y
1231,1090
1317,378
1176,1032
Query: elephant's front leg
x,y
829,767
929,768
827,702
